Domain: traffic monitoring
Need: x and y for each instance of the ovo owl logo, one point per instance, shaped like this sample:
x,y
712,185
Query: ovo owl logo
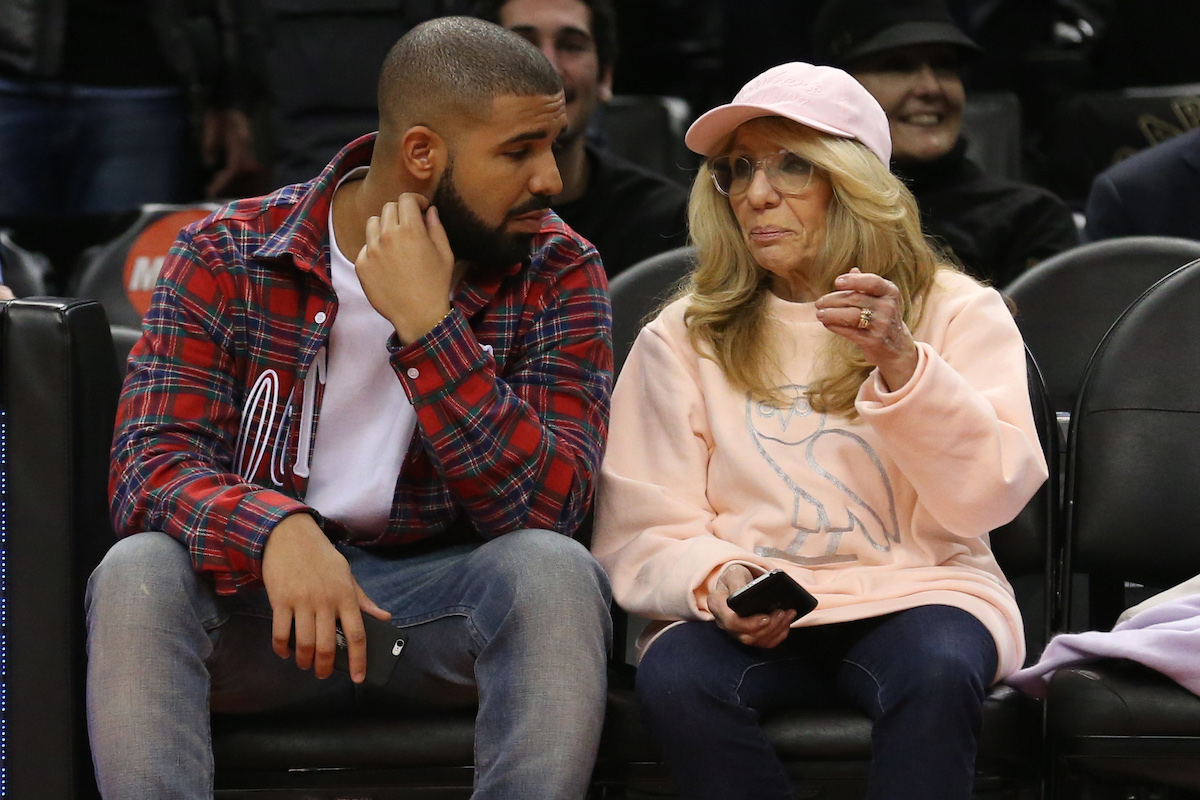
x,y
149,250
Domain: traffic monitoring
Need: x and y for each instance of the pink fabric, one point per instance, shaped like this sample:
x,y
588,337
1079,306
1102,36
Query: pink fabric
x,y
824,98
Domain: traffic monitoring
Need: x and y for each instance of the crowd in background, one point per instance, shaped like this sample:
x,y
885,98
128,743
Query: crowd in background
x,y
232,98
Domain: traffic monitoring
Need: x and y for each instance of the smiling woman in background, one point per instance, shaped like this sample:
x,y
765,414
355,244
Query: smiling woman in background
x,y
909,55
827,399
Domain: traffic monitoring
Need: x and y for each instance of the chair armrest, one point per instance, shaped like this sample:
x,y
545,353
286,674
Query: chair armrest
x,y
58,393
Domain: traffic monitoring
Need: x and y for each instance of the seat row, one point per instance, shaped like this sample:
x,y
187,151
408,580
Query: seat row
x,y
1105,730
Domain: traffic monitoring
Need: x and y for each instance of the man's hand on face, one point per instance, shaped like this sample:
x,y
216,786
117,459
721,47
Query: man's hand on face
x,y
310,586
406,267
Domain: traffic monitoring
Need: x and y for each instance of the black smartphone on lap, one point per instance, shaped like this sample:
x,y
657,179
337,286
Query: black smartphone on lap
x,y
770,592
385,645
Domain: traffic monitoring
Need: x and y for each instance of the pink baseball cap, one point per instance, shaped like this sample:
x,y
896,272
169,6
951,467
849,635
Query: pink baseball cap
x,y
824,98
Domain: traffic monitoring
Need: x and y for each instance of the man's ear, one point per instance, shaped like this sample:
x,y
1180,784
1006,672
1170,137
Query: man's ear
x,y
423,153
606,83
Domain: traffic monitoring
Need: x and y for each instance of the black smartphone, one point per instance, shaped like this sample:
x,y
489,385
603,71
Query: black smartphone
x,y
770,592
385,645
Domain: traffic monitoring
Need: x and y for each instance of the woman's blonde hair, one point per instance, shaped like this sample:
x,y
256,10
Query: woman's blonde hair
x,y
872,224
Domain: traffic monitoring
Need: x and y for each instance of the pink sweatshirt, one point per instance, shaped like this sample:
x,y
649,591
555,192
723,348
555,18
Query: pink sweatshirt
x,y
885,513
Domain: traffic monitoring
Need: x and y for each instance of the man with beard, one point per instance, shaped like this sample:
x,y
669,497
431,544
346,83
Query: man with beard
x,y
383,393
629,213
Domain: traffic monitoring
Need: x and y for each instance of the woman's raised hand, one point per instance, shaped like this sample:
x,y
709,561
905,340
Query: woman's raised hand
x,y
865,308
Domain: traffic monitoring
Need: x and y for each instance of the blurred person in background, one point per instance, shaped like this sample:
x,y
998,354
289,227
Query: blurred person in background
x,y
627,212
909,54
1153,193
107,106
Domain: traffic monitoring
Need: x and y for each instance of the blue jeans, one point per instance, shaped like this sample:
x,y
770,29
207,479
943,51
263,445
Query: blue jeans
x,y
920,674
71,150
519,626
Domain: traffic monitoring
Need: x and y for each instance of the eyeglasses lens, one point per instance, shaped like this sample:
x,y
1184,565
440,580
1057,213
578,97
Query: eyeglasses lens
x,y
787,172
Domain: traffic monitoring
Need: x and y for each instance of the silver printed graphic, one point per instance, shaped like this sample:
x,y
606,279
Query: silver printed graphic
x,y
792,440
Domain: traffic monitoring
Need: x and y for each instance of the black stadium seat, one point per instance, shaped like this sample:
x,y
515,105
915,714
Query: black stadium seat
x,y
992,126
648,130
1067,303
24,272
121,274
1116,729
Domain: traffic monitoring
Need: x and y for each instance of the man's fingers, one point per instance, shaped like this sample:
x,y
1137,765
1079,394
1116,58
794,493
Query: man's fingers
x,y
356,642
420,200
326,643
281,631
389,215
373,224
437,234
305,638
410,210
367,605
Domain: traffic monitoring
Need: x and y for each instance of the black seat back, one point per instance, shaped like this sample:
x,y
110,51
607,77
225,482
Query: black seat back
x,y
1067,303
1027,549
648,130
641,290
121,274
26,273
992,126
1133,469
58,393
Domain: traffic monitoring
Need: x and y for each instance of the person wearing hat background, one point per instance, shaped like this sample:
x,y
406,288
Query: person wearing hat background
x,y
828,398
909,55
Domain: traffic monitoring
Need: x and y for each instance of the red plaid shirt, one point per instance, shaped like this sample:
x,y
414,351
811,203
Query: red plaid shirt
x,y
511,390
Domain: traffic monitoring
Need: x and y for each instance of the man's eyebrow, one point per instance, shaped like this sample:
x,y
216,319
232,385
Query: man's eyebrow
x,y
527,136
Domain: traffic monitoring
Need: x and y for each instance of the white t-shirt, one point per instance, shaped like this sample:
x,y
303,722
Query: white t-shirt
x,y
366,420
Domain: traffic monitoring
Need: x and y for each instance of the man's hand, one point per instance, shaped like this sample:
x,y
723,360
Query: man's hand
x,y
5,293
759,630
310,586
406,268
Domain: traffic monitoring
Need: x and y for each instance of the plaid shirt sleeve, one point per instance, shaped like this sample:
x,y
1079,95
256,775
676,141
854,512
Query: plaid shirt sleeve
x,y
177,421
519,447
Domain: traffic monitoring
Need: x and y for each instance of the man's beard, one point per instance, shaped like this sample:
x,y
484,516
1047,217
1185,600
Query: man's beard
x,y
489,251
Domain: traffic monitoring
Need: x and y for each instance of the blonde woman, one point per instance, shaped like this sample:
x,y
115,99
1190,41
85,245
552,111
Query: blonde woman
x,y
829,398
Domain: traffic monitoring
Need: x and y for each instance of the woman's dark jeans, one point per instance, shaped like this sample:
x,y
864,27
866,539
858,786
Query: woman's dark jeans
x,y
920,674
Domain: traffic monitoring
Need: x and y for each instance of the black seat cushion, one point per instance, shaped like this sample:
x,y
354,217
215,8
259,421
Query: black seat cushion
x,y
1114,717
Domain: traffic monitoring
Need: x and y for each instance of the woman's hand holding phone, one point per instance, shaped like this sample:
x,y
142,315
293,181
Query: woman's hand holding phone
x,y
758,630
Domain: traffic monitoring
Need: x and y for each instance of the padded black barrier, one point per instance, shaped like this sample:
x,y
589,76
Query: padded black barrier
x,y
59,387
1068,302
1134,514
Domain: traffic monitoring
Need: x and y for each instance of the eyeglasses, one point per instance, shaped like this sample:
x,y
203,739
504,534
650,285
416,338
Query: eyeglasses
x,y
787,173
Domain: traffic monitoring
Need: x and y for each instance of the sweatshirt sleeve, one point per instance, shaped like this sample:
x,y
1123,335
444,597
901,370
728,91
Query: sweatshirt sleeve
x,y
961,430
653,527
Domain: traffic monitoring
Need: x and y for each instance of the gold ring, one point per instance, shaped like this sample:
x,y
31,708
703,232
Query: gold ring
x,y
864,317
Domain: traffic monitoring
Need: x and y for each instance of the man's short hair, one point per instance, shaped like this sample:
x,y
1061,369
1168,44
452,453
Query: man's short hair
x,y
456,66
604,25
